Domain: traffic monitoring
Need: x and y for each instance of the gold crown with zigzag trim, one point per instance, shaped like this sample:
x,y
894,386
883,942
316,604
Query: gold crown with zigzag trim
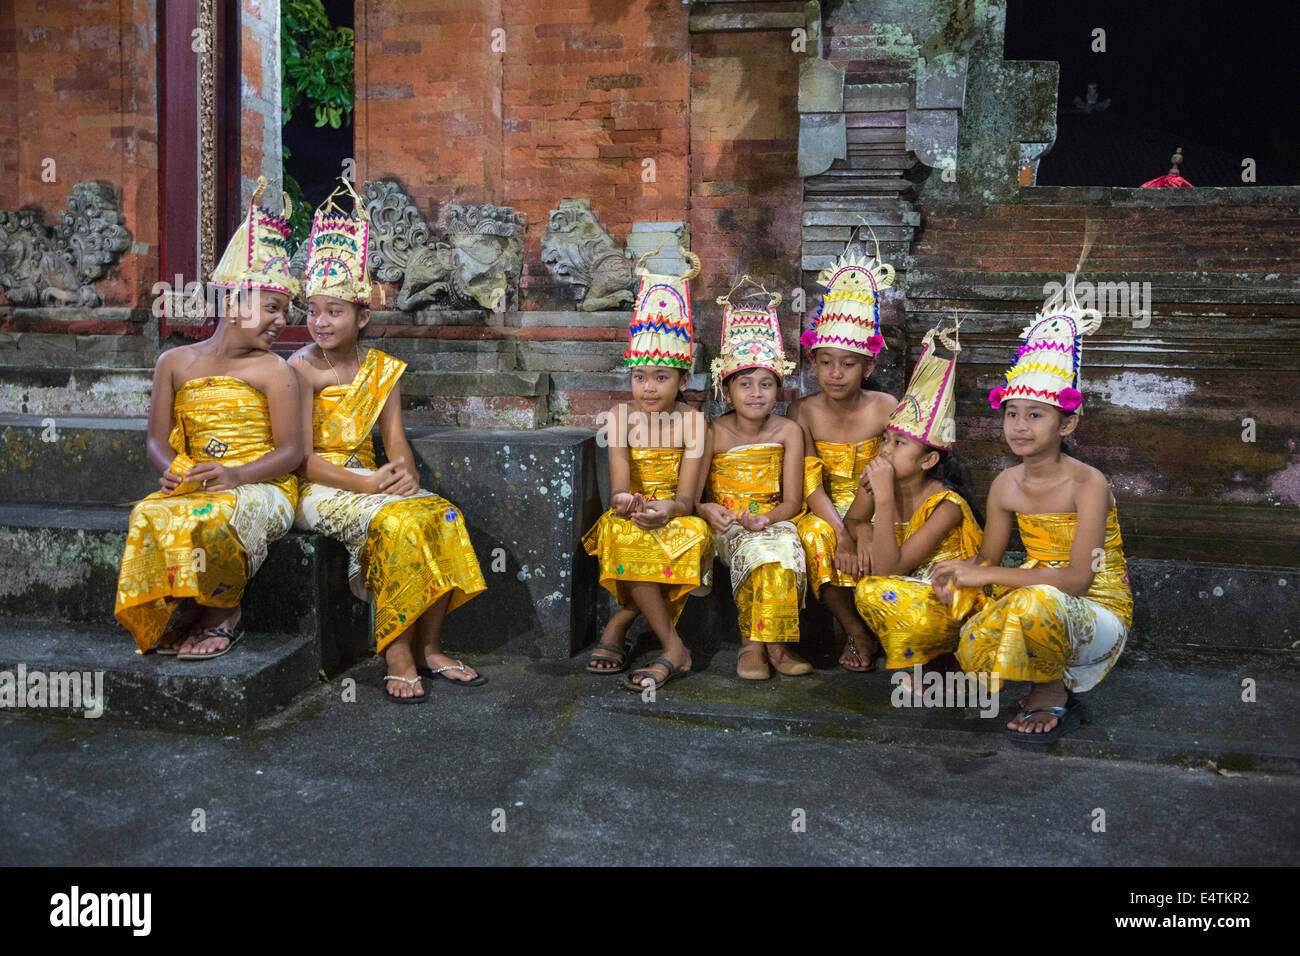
x,y
257,256
337,250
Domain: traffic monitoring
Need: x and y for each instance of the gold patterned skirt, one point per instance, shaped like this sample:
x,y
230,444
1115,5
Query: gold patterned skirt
x,y
768,575
913,626
819,543
404,553
678,556
1039,634
205,546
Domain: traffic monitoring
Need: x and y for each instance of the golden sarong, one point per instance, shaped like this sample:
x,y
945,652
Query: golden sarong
x,y
767,567
1040,633
678,555
203,545
913,625
404,553
838,468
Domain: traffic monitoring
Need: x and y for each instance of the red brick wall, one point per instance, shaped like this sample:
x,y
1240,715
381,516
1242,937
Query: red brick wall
x,y
84,81
582,95
746,192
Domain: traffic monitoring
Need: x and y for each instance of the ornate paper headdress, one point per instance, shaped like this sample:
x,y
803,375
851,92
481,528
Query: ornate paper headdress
x,y
660,333
1046,368
751,338
928,409
337,250
849,315
257,256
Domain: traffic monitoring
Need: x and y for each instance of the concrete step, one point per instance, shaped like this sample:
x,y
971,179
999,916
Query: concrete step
x,y
58,390
264,672
61,564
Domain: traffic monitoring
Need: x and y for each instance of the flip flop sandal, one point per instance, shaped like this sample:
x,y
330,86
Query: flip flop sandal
x,y
630,683
1068,718
232,637
621,662
852,648
409,682
478,681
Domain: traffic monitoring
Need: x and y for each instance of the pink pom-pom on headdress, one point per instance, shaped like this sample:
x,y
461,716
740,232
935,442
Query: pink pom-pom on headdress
x,y
995,396
808,338
1070,399
875,343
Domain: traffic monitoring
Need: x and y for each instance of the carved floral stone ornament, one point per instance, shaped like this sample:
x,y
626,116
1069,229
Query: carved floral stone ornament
x,y
59,265
578,250
473,257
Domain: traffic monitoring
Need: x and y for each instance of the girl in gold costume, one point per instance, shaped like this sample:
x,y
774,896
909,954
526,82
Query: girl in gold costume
x,y
410,552
1059,620
225,435
844,426
652,551
917,490
754,492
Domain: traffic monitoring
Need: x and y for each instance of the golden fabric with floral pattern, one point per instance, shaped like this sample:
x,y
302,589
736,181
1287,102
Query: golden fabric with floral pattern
x,y
767,567
678,556
1040,633
839,466
196,544
404,553
912,624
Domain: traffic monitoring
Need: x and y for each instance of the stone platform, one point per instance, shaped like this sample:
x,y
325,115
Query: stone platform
x,y
528,496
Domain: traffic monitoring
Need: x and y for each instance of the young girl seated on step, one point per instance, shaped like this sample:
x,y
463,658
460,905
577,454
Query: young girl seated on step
x,y
754,492
651,549
225,435
409,550
924,513
844,426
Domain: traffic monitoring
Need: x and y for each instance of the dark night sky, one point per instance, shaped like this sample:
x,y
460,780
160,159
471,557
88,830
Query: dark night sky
x,y
1226,75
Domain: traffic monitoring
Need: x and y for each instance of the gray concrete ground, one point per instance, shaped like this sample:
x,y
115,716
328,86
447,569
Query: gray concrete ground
x,y
548,765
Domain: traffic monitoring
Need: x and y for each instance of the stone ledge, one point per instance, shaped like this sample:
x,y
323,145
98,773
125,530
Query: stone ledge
x,y
263,674
62,563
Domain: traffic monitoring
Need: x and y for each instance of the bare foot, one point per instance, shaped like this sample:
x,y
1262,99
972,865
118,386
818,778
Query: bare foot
x,y
436,659
859,652
1051,694
401,663
787,661
184,623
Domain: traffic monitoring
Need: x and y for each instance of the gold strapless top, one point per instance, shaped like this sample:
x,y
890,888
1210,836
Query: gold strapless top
x,y
960,543
842,467
226,420
747,478
1048,539
349,448
654,471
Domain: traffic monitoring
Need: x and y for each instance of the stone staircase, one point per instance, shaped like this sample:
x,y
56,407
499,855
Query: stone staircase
x,y
67,484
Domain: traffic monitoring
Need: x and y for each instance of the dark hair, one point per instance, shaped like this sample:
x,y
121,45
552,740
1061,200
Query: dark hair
x,y
951,473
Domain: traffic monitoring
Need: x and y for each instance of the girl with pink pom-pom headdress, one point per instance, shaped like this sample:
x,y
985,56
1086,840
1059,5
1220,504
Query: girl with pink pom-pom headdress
x,y
1060,620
